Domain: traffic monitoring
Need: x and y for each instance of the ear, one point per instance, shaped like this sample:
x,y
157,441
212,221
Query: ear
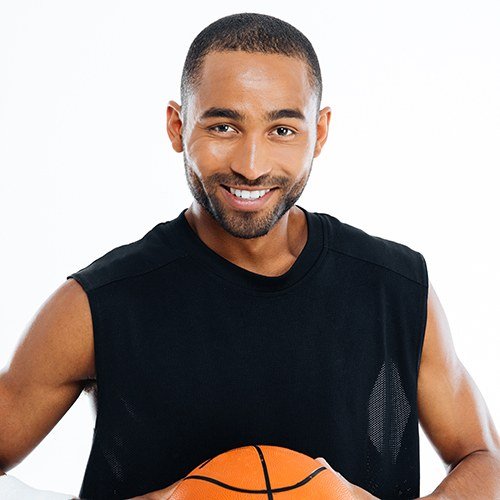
x,y
322,129
174,125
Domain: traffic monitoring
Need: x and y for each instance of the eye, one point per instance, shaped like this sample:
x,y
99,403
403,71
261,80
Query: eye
x,y
285,130
220,128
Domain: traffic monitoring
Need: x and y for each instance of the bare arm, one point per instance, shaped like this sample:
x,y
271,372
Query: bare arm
x,y
454,416
53,362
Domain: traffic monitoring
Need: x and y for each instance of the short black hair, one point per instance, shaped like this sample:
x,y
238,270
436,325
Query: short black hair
x,y
249,32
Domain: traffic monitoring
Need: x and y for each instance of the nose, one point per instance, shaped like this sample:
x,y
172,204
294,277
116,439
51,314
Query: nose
x,y
251,157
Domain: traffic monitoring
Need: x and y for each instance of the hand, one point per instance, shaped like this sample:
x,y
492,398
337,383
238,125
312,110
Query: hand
x,y
356,492
163,494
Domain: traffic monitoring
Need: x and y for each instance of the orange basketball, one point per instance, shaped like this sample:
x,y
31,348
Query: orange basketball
x,y
261,472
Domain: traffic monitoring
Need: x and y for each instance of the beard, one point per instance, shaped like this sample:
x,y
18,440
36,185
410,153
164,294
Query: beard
x,y
244,224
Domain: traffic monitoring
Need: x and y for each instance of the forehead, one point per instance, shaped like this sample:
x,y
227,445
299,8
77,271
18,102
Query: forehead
x,y
253,82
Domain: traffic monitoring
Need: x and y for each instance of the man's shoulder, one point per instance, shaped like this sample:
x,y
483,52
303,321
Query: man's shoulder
x,y
152,251
357,243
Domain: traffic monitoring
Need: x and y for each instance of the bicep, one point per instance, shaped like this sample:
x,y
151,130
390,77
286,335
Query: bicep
x,y
46,373
451,409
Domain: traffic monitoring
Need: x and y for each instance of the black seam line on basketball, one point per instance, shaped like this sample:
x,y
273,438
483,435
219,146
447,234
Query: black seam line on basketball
x,y
257,492
266,473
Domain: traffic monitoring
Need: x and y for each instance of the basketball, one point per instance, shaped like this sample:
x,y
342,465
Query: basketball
x,y
261,472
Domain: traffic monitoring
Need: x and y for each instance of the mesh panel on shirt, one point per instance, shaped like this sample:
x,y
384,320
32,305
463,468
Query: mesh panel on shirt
x,y
388,411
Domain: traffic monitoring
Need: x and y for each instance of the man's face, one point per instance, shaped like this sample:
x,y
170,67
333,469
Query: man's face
x,y
252,125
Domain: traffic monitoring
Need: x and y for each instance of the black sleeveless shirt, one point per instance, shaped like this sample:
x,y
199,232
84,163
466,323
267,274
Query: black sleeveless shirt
x,y
196,356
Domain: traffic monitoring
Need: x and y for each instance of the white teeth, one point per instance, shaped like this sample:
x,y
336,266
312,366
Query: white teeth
x,y
248,195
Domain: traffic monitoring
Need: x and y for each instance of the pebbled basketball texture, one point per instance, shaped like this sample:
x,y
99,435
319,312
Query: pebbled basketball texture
x,y
261,472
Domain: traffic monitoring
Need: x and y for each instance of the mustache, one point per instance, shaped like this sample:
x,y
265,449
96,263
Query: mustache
x,y
242,181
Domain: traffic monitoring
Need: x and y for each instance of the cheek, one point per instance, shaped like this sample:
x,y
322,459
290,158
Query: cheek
x,y
294,155
208,153
310,144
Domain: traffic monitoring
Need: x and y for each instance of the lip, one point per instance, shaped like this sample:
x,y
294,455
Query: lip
x,y
246,205
253,188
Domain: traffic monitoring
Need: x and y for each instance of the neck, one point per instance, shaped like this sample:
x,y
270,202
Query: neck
x,y
269,255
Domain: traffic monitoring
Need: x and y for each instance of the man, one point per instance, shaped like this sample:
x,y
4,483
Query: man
x,y
248,319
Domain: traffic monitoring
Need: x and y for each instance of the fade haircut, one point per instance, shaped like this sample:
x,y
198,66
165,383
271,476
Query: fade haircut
x,y
249,32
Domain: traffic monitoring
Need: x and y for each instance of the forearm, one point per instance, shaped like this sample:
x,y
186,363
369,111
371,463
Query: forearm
x,y
477,476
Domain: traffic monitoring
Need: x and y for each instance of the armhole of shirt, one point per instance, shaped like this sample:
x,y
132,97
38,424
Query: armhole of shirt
x,y
423,309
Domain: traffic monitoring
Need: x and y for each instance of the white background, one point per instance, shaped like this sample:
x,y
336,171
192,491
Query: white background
x,y
86,164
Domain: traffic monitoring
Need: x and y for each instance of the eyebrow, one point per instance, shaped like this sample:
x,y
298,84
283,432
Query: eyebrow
x,y
275,114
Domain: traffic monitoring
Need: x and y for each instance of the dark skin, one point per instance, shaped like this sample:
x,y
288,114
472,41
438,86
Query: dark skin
x,y
54,360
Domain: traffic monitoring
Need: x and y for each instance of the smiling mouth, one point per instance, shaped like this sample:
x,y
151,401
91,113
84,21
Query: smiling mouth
x,y
247,197
228,188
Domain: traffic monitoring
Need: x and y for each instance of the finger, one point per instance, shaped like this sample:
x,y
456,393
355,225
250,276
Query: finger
x,y
322,461
169,491
326,464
